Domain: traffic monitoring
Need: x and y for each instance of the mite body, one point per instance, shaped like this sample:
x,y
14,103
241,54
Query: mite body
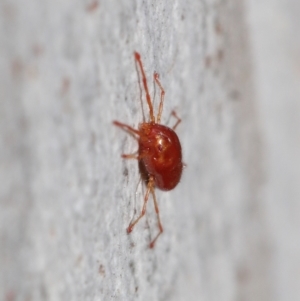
x,y
159,153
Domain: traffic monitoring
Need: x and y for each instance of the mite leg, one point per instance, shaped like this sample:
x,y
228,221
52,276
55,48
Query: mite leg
x,y
149,188
127,129
131,156
162,95
133,132
173,113
158,219
138,60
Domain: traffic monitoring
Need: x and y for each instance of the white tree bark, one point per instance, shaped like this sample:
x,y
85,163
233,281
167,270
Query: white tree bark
x,y
230,227
276,45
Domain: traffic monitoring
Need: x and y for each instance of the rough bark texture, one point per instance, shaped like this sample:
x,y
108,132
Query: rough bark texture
x,y
66,196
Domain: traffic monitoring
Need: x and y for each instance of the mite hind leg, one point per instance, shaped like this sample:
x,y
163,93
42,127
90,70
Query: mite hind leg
x,y
152,243
146,198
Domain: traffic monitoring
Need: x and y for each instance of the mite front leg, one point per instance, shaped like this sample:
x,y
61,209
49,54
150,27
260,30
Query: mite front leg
x,y
173,113
162,95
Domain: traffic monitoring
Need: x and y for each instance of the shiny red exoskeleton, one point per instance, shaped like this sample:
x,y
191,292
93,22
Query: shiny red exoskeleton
x,y
159,151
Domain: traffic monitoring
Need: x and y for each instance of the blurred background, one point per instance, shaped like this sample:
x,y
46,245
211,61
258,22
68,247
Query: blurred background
x,y
231,70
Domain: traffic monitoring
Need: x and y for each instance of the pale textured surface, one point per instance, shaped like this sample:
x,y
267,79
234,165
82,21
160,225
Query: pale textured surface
x,y
275,43
67,71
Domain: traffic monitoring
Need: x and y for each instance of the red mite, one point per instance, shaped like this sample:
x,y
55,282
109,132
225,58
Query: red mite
x,y
159,152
